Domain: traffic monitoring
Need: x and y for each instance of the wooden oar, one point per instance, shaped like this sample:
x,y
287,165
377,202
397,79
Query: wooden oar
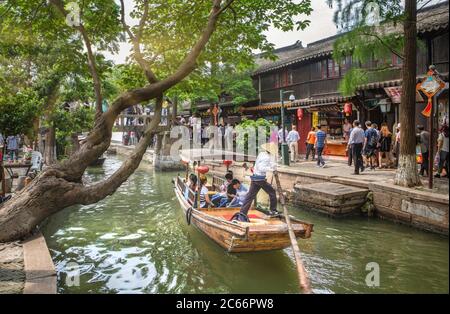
x,y
301,271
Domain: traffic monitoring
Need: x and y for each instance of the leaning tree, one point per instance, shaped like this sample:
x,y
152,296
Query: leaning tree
x,y
171,40
373,34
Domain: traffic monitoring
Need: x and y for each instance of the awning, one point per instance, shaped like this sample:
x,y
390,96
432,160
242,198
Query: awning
x,y
269,106
393,83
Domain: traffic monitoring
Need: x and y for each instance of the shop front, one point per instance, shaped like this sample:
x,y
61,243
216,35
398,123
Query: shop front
x,y
334,119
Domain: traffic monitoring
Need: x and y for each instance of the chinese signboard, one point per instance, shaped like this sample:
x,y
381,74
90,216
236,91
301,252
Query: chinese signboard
x,y
430,86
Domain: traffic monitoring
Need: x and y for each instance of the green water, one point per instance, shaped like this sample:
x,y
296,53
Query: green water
x,y
137,241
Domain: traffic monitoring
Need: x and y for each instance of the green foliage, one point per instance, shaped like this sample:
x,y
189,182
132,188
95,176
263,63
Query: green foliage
x,y
240,87
19,111
254,126
71,122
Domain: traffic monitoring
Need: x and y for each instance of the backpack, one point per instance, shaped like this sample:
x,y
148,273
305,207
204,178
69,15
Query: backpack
x,y
373,139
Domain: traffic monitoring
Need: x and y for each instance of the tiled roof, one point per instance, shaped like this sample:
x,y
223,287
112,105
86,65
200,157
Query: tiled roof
x,y
432,19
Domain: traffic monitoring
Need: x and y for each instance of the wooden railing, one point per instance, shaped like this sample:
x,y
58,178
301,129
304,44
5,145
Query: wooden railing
x,y
139,122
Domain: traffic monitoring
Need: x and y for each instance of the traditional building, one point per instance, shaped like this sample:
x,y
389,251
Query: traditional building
x,y
313,77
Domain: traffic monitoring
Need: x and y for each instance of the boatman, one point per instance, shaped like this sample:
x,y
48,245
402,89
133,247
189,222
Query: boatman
x,y
266,161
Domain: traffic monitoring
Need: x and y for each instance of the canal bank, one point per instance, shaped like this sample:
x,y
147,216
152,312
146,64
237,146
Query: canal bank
x,y
138,241
317,189
334,191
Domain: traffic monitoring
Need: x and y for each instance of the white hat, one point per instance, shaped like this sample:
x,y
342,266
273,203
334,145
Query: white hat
x,y
271,148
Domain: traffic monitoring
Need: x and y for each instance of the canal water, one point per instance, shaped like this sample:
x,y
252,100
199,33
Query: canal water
x,y
137,241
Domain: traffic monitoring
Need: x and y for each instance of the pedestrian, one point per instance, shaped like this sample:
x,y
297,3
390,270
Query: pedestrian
x,y
347,128
370,144
385,144
377,145
12,144
319,145
397,144
266,161
443,150
424,143
292,140
349,149
1,139
310,141
356,142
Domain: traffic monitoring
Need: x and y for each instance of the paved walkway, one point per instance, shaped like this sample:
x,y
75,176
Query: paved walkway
x,y
339,168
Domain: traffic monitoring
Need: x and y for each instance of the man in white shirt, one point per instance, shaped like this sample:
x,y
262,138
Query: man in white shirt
x,y
281,138
265,162
292,140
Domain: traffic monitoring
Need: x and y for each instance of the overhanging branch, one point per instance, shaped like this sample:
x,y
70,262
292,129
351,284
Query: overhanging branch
x,y
91,58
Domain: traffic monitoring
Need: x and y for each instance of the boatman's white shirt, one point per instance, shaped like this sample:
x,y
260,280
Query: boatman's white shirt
x,y
264,163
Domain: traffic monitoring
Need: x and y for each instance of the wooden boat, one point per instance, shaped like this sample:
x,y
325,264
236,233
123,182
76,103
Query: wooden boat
x,y
98,163
262,233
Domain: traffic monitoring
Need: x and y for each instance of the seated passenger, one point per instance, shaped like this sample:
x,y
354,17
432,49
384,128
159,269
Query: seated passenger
x,y
220,197
228,178
205,201
236,194
192,185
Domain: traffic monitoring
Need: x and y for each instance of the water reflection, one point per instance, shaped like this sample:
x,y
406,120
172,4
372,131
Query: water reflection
x,y
137,241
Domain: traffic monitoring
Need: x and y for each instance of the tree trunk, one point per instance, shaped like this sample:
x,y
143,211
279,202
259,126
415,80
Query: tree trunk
x,y
50,145
407,174
60,185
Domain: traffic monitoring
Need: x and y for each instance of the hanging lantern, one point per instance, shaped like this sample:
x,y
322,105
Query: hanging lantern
x,y
227,162
300,114
348,108
203,169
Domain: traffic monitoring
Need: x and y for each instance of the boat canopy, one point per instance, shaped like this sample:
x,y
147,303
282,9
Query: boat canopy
x,y
206,154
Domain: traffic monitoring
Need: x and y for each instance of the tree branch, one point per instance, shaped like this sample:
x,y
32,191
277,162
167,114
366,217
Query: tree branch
x,y
96,192
91,58
186,67
398,54
136,40
225,6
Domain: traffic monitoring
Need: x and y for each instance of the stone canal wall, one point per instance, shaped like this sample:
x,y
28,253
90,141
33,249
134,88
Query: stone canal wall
x,y
419,209
424,210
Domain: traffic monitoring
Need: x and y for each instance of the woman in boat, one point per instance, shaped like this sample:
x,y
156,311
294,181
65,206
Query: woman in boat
x,y
205,201
266,161
191,186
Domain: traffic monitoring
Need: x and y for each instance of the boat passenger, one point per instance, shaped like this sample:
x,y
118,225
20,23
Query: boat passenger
x,y
192,185
221,197
236,194
205,201
228,178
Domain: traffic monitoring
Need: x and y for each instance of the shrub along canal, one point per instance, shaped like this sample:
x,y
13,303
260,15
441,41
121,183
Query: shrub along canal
x,y
137,241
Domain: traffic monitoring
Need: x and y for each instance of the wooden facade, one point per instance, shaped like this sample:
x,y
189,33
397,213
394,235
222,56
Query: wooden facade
x,y
314,77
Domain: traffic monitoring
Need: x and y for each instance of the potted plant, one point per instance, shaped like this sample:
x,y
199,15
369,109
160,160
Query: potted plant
x,y
27,156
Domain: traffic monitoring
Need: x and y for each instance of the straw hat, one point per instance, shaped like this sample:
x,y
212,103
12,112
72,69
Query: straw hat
x,y
271,148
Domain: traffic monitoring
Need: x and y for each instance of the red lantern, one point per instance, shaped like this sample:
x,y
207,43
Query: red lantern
x,y
203,169
300,114
348,107
227,163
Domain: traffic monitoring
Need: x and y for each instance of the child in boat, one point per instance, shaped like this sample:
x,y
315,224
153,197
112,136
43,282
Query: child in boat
x,y
205,201
221,197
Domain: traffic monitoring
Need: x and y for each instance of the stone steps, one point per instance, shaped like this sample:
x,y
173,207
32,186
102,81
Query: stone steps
x,y
329,198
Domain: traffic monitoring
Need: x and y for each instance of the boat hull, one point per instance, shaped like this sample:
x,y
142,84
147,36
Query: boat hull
x,y
240,237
